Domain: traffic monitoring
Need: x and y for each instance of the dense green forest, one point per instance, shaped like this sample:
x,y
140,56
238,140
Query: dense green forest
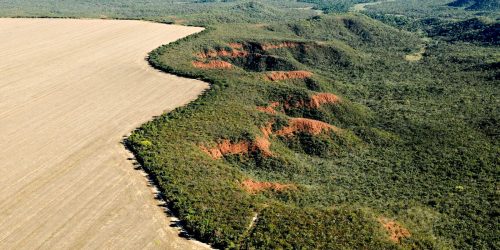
x,y
193,12
477,5
325,128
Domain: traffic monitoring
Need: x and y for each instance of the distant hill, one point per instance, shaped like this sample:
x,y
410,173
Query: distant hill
x,y
471,30
486,5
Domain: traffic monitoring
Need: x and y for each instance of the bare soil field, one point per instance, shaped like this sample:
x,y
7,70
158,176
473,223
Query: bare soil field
x,y
70,90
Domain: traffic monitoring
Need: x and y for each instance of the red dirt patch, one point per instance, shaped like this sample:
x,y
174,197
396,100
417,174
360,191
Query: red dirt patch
x,y
226,147
212,65
253,187
395,230
284,75
267,130
263,145
270,109
267,109
268,46
305,125
260,144
315,102
323,98
213,152
222,53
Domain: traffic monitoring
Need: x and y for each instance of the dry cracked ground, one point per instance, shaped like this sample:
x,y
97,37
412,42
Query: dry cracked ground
x,y
69,91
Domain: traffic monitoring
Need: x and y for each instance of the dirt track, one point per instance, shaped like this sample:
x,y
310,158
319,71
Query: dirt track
x,y
69,91
362,6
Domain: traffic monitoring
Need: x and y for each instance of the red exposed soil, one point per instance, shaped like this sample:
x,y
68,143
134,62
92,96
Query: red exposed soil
x,y
305,125
268,46
270,109
267,130
395,230
267,109
212,65
263,145
222,53
315,102
213,152
253,187
284,75
226,147
323,98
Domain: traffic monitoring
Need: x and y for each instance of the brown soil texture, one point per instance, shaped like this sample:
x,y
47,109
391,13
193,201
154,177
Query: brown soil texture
x,y
263,145
323,98
269,46
253,187
395,230
226,147
305,125
216,64
270,109
222,53
262,142
315,102
285,75
267,130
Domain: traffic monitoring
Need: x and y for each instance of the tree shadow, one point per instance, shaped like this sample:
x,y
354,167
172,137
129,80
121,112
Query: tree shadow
x,y
159,196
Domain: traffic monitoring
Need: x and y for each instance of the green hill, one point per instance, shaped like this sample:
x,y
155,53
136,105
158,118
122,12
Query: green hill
x,y
319,134
318,131
486,5
474,30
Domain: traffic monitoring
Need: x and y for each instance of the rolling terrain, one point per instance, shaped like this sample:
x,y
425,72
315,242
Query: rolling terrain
x,y
334,132
69,91
342,124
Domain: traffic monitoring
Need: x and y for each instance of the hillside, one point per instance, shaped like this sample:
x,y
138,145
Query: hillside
x,y
197,12
307,122
488,5
474,30
322,128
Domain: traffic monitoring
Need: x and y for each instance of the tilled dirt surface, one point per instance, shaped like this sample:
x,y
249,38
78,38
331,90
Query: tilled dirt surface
x,y
70,90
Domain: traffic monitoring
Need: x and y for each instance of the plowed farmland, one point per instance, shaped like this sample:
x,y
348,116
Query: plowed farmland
x,y
70,90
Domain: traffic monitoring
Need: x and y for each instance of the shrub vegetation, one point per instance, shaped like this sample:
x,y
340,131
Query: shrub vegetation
x,y
405,156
